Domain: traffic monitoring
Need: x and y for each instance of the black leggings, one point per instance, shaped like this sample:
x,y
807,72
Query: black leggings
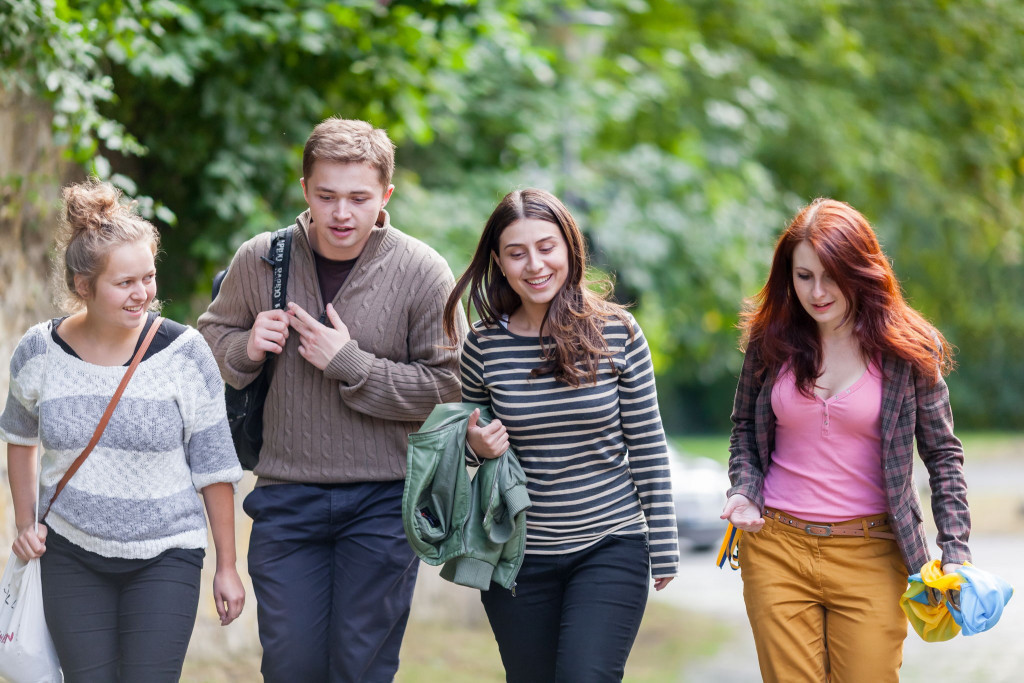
x,y
117,620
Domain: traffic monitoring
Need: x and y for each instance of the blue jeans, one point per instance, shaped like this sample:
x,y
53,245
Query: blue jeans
x,y
573,617
333,576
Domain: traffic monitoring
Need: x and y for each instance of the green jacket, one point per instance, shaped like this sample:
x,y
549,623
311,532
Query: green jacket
x,y
477,527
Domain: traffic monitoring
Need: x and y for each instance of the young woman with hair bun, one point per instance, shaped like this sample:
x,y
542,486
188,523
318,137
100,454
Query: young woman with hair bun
x,y
122,546
568,375
840,377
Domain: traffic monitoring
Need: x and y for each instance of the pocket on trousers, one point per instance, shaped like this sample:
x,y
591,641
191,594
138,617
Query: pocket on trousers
x,y
251,505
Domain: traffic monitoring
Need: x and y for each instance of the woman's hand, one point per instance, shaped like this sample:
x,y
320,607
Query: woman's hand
x,y
950,567
228,594
742,513
21,475
662,582
487,442
30,543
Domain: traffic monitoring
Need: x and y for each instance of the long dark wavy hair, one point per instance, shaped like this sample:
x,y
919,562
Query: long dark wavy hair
x,y
571,334
775,324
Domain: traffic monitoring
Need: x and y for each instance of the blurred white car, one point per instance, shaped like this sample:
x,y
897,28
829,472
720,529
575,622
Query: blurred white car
x,y
698,491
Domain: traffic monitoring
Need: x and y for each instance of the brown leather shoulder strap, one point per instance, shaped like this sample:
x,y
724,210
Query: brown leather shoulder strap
x,y
136,359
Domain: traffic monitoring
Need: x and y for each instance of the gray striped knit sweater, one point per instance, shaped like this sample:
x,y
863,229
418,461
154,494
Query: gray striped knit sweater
x,y
135,495
351,422
595,456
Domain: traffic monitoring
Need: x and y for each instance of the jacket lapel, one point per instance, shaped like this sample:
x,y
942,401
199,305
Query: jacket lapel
x,y
764,418
894,385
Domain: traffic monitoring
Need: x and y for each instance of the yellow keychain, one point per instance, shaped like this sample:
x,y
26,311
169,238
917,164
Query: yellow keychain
x,y
730,550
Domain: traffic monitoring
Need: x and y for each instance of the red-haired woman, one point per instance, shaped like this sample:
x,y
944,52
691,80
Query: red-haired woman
x,y
840,376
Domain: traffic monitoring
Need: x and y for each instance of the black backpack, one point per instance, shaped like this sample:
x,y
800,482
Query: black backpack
x,y
245,406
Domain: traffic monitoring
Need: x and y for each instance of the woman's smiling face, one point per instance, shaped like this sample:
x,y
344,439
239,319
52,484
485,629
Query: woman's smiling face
x,y
534,256
122,293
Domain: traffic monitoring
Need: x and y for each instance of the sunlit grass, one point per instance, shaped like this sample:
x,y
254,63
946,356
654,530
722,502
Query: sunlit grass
x,y
992,444
714,446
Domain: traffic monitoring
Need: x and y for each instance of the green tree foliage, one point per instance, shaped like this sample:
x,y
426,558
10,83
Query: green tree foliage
x,y
909,111
223,94
44,54
683,135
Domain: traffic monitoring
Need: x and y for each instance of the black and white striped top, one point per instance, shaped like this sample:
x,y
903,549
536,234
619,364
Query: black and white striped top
x,y
594,456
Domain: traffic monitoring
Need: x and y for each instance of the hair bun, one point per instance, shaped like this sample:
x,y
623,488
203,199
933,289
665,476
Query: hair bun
x,y
91,204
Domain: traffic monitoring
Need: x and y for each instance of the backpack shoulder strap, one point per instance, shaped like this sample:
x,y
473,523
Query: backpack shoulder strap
x,y
280,257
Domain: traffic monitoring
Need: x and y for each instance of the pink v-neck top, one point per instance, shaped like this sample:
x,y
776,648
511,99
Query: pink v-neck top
x,y
827,463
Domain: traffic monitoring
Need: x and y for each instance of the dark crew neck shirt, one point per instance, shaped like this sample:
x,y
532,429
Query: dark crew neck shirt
x,y
331,275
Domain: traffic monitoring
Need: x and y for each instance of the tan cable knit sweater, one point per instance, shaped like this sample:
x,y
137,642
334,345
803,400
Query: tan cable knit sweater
x,y
349,423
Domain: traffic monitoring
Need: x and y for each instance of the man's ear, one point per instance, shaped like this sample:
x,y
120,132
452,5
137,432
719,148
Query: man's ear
x,y
302,181
387,195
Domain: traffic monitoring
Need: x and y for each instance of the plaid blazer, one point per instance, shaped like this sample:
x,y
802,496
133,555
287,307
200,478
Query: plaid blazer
x,y
911,407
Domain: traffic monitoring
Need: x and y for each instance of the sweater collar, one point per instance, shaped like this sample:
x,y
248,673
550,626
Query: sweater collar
x,y
382,236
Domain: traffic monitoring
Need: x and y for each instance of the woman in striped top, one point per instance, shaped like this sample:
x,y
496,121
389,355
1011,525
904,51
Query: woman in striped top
x,y
569,379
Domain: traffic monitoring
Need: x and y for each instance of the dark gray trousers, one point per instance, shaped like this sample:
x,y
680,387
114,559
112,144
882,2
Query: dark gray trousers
x,y
114,620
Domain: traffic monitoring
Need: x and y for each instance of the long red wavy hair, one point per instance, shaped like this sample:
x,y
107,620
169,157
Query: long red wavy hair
x,y
779,330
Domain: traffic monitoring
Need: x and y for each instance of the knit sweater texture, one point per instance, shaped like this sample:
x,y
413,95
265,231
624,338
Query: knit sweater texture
x,y
350,422
135,495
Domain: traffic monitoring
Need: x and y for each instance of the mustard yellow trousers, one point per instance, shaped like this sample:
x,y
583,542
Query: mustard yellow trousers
x,y
824,608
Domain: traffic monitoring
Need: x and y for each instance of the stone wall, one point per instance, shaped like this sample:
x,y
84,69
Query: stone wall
x,y
31,174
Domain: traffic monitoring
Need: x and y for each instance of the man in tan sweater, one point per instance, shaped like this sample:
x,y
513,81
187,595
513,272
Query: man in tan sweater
x,y
361,362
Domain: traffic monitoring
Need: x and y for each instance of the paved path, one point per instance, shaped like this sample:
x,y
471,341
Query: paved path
x,y
995,656
992,657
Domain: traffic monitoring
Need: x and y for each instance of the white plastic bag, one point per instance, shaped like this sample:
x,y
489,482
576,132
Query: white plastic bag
x,y
26,650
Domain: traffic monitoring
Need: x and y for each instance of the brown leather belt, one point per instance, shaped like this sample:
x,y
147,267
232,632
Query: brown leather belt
x,y
863,528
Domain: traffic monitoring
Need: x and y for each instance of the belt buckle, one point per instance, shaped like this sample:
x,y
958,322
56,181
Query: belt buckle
x,y
826,530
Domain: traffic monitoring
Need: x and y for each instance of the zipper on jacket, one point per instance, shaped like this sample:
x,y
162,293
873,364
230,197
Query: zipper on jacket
x,y
514,584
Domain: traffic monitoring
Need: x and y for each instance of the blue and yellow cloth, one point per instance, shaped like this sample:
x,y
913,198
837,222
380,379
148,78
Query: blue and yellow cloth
x,y
939,606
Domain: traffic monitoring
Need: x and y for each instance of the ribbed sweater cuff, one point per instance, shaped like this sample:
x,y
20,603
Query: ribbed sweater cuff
x,y
238,359
351,365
